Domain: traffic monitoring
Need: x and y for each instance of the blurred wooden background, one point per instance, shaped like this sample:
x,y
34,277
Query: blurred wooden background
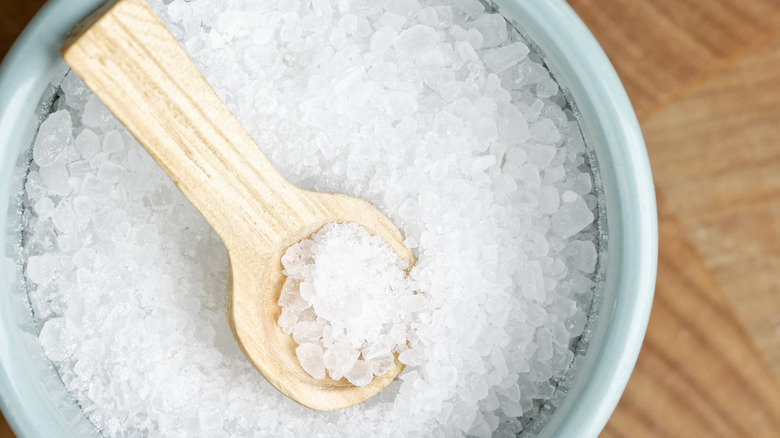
x,y
703,76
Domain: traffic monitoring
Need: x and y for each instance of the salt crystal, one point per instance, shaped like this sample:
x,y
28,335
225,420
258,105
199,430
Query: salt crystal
x,y
287,320
383,39
95,113
76,93
44,208
583,255
547,88
504,57
64,218
473,8
307,331
40,269
84,258
415,41
54,338
361,373
404,8
147,234
545,132
348,23
79,168
55,135
493,28
572,217
110,171
540,155
549,199
399,105
412,357
113,142
55,178
310,356
96,187
87,144
339,359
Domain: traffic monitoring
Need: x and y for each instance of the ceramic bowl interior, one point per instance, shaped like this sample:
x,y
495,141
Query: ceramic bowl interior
x,y
32,396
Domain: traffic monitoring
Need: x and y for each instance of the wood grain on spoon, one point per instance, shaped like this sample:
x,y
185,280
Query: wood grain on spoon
x,y
126,56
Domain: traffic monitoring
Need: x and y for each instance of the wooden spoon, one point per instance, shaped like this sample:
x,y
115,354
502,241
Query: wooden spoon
x,y
124,53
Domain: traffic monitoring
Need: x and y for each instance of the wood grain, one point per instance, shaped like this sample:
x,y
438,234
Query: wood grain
x,y
716,157
14,15
699,374
127,57
663,48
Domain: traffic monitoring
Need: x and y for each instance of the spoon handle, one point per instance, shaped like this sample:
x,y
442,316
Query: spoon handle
x,y
125,54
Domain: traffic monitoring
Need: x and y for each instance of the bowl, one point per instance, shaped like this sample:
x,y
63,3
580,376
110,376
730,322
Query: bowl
x,y
34,400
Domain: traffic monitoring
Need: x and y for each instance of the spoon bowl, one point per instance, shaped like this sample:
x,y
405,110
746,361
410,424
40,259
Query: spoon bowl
x,y
125,54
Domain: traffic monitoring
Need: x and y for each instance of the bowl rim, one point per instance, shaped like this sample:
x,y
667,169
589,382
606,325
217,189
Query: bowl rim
x,y
632,254
27,70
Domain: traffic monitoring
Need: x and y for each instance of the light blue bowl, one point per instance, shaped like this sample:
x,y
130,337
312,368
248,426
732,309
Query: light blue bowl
x,y
35,402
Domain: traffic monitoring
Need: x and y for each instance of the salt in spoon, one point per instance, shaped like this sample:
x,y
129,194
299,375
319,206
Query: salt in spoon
x,y
125,54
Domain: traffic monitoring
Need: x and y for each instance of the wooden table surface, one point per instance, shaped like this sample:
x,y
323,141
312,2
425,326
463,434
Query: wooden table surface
x,y
703,76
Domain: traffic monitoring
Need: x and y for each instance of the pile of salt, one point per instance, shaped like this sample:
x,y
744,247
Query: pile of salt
x,y
415,106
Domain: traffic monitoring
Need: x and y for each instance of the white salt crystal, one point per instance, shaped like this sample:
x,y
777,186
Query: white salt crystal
x,y
473,8
84,258
147,234
383,38
55,135
404,8
75,92
569,196
78,168
95,113
307,331
583,184
583,255
161,198
322,8
545,132
493,28
339,359
504,57
513,127
572,217
549,199
96,187
110,171
463,415
64,218
87,144
113,142
40,269
412,357
55,178
55,339
415,41
547,88
399,105
287,320
392,20
540,155
44,208
348,23
485,129
310,356
361,373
